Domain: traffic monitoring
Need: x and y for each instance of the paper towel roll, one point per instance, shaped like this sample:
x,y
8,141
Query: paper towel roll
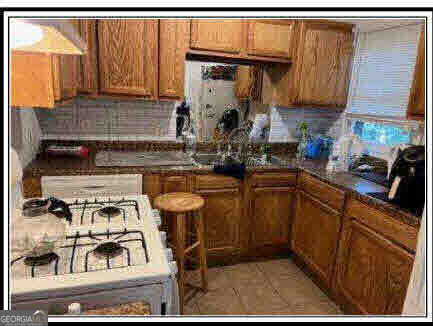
x,y
16,175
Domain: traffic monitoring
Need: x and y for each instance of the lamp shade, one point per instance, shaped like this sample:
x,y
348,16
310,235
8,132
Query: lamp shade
x,y
56,36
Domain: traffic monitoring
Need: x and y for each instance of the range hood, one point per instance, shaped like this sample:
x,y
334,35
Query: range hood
x,y
56,36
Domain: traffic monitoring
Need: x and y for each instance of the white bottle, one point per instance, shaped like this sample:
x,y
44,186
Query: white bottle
x,y
74,309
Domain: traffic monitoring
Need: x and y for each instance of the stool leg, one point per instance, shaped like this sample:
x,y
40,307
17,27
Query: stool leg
x,y
180,249
199,224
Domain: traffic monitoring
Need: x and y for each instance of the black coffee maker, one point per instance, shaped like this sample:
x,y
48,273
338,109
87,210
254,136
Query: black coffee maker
x,y
407,179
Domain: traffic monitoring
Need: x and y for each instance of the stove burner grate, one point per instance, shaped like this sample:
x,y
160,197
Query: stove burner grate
x,y
41,260
108,249
109,211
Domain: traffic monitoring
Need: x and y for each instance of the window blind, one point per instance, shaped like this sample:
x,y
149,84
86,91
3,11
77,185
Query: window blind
x,y
383,71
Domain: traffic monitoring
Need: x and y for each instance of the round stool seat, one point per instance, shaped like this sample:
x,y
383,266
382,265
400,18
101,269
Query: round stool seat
x,y
179,202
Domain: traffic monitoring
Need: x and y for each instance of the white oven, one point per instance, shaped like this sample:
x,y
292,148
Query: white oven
x,y
113,253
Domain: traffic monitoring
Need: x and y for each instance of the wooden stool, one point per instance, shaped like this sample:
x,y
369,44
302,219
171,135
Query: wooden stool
x,y
181,204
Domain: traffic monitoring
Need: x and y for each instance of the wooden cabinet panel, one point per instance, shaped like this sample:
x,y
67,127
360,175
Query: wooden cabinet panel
x,y
42,80
248,84
271,215
273,179
174,37
65,76
221,213
216,182
87,67
271,38
329,195
32,80
372,274
416,106
323,64
152,186
128,56
315,234
223,35
405,235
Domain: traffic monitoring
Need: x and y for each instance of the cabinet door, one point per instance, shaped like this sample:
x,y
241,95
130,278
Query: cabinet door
x,y
416,106
221,35
87,68
65,77
173,43
271,215
271,38
221,213
248,82
323,64
128,57
372,273
315,233
31,80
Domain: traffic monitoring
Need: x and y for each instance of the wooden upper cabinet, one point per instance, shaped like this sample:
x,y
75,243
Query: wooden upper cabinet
x,y
87,68
416,106
42,80
315,234
372,273
248,84
271,38
173,44
65,76
128,57
323,64
221,35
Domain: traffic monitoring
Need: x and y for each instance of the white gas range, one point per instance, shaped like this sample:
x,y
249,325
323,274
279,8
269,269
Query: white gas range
x,y
113,254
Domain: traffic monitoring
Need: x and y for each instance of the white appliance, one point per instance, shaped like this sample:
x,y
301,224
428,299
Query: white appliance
x,y
113,254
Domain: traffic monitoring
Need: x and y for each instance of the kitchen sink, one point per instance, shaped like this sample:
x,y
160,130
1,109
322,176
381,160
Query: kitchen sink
x,y
206,158
213,158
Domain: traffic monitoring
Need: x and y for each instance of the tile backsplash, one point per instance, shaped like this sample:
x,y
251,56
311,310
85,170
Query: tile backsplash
x,y
110,120
284,123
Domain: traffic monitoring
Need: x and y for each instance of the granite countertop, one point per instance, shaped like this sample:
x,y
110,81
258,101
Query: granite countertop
x,y
353,185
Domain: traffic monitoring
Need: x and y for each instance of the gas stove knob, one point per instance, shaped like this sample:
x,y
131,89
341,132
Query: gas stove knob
x,y
169,254
163,236
157,217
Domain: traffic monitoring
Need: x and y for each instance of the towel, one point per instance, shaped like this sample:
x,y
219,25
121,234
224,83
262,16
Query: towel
x,y
235,170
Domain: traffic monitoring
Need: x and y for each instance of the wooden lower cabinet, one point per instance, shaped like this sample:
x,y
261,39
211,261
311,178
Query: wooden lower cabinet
x,y
271,215
222,212
315,234
372,273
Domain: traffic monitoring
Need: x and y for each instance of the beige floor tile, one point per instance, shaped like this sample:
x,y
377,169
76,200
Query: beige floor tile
x,y
297,289
326,307
259,299
217,278
191,309
221,302
279,267
247,274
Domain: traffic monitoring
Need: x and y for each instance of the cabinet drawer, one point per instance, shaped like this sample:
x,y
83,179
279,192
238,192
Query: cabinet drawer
x,y
332,196
151,294
215,182
91,185
391,228
274,179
